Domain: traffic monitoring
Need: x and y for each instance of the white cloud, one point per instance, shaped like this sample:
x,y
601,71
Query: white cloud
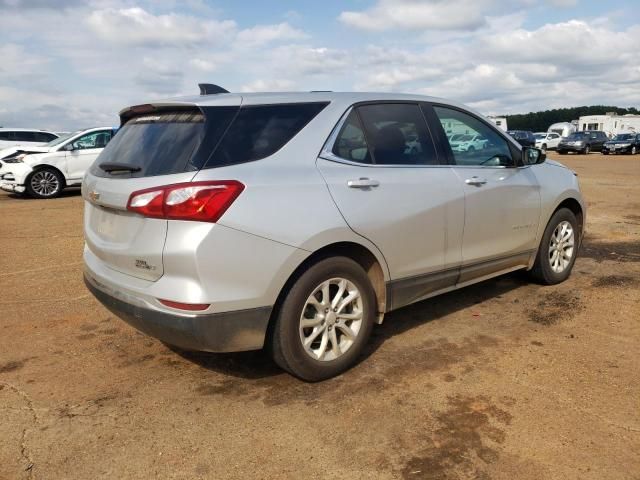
x,y
273,85
136,26
261,34
417,14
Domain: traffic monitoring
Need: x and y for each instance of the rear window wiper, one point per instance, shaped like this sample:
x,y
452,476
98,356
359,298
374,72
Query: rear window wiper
x,y
110,167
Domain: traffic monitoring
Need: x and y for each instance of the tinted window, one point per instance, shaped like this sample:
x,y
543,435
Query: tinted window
x,y
158,143
44,137
25,136
260,131
350,143
397,134
7,136
481,144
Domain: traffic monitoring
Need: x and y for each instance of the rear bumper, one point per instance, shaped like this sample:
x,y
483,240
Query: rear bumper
x,y
213,332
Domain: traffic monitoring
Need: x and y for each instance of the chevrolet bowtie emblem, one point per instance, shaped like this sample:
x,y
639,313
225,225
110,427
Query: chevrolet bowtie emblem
x,y
94,196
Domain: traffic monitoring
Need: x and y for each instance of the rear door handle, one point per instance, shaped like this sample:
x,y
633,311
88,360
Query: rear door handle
x,y
363,183
475,181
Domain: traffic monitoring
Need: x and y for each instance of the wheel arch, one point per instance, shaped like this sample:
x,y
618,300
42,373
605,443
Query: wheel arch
x,y
576,207
355,251
42,166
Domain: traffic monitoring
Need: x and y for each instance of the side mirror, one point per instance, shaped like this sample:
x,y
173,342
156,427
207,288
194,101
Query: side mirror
x,y
68,147
532,156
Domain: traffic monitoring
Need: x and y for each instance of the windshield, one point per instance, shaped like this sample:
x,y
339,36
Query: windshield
x,y
577,136
623,136
541,136
465,138
61,139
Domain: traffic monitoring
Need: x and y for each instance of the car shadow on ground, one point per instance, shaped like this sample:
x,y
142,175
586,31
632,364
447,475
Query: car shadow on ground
x,y
258,364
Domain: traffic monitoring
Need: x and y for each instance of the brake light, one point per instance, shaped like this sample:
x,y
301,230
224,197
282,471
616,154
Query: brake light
x,y
197,201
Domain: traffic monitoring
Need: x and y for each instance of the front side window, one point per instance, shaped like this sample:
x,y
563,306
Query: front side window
x,y
92,140
350,143
397,134
477,143
25,137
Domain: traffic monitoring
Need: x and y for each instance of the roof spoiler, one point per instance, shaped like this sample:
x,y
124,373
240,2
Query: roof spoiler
x,y
211,89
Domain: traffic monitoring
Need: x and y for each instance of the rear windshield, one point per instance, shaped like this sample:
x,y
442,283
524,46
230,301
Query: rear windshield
x,y
174,142
157,143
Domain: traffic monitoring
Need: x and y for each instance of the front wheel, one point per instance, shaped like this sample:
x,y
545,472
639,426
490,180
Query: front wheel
x,y
558,249
324,321
586,150
634,150
44,183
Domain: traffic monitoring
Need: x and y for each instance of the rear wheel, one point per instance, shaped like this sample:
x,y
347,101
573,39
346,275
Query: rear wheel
x,y
558,248
325,320
44,183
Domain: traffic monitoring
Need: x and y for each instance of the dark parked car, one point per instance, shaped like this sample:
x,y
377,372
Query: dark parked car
x,y
623,143
524,138
583,142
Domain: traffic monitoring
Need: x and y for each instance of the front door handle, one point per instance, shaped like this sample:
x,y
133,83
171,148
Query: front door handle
x,y
363,183
475,181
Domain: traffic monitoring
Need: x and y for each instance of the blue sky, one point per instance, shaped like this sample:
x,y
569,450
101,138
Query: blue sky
x,y
75,63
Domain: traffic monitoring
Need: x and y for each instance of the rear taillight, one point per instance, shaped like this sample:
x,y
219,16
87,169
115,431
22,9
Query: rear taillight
x,y
197,201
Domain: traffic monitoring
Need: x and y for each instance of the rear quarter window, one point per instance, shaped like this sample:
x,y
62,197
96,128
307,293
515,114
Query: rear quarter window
x,y
259,131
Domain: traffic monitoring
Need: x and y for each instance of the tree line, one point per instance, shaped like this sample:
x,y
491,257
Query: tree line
x,y
540,121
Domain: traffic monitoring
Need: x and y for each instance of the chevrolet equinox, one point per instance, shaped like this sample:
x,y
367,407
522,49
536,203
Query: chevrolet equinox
x,y
296,221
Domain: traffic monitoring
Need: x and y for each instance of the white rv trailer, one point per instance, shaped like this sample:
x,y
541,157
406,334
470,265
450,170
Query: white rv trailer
x,y
564,129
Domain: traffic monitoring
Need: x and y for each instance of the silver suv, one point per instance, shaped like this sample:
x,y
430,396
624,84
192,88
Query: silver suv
x,y
295,221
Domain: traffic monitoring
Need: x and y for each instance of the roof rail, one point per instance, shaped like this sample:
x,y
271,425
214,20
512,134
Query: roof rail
x,y
211,89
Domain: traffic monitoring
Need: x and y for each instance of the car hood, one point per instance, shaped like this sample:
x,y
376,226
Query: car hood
x,y
618,142
18,149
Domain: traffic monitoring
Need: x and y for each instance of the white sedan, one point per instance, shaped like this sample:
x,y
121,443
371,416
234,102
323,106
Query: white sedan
x,y
42,172
547,140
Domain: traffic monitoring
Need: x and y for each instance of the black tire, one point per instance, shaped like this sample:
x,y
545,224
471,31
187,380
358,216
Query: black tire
x,y
471,149
562,152
285,342
53,179
605,152
544,147
586,150
542,271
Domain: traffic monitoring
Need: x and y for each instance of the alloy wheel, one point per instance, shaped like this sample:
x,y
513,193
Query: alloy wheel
x,y
561,247
45,183
331,319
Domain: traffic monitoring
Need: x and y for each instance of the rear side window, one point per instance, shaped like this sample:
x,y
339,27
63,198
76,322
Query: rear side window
x,y
259,131
6,136
397,134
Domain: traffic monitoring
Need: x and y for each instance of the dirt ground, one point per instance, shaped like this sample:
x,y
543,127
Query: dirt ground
x,y
502,380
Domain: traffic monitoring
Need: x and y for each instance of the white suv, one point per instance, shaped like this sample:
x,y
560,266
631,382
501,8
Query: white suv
x,y
24,136
42,172
547,140
295,221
